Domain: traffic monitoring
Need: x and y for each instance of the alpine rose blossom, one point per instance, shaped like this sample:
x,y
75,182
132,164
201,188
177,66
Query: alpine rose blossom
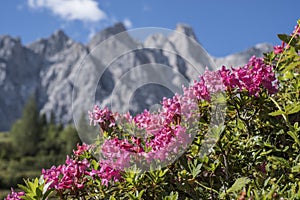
x,y
81,149
278,49
71,175
15,195
252,77
166,135
103,117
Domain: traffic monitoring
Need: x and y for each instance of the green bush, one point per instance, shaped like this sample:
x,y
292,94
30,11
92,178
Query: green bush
x,y
21,157
256,155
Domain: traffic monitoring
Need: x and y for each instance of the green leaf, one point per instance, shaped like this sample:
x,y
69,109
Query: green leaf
x,y
172,196
112,198
48,193
266,152
132,196
271,192
296,169
290,66
24,188
267,181
278,161
284,37
129,180
140,194
294,136
237,186
38,192
276,113
291,109
287,39
162,173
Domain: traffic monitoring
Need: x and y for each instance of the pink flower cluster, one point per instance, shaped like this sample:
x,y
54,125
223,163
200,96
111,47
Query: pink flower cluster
x,y
115,153
81,149
167,132
200,90
15,195
103,117
168,144
278,49
107,173
166,136
171,110
73,174
148,121
252,77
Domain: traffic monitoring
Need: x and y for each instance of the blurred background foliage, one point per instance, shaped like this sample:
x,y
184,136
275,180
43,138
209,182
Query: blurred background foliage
x,y
34,142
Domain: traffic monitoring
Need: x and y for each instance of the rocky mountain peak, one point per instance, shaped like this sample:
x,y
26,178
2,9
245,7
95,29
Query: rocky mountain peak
x,y
265,47
59,37
115,29
155,41
106,33
258,49
9,44
50,46
240,58
47,68
186,29
6,40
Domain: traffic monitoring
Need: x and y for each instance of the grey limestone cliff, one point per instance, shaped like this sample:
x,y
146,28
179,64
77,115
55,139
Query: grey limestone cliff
x,y
61,71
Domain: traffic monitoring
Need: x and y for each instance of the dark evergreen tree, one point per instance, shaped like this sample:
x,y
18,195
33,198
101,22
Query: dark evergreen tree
x,y
26,132
70,138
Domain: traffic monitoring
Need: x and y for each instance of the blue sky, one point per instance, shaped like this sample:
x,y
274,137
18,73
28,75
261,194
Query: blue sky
x,y
222,26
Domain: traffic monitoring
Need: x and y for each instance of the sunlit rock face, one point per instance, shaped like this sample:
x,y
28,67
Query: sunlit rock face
x,y
53,68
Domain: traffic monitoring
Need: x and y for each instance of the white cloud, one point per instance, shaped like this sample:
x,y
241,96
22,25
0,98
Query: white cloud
x,y
84,10
127,23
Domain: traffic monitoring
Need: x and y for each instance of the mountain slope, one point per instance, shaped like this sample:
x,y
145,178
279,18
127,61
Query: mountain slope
x,y
113,68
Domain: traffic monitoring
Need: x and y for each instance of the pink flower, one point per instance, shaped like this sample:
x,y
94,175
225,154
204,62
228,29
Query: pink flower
x,y
229,79
116,153
251,77
297,29
278,49
213,81
171,110
189,104
150,122
104,117
71,175
200,89
143,120
15,195
81,149
107,173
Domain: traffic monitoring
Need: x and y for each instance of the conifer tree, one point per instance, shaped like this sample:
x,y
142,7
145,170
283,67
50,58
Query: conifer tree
x,y
26,132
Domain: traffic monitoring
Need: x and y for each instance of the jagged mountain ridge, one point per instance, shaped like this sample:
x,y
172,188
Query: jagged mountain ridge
x,y
49,67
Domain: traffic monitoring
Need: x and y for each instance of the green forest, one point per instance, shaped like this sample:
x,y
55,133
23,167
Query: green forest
x,y
34,142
